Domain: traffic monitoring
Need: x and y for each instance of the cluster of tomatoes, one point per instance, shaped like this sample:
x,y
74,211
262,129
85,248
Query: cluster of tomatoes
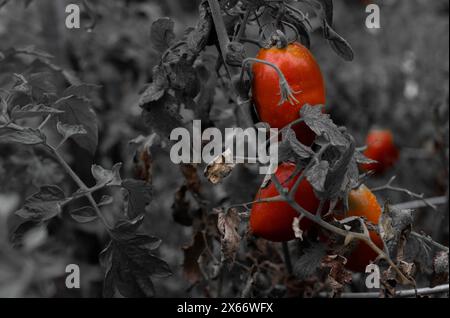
x,y
274,220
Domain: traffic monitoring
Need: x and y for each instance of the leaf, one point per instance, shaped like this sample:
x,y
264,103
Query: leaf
x,y
157,87
362,159
84,215
317,175
105,200
341,176
192,253
440,268
338,275
322,125
130,265
41,85
338,43
4,117
393,224
67,131
78,111
83,91
299,150
107,177
308,264
21,85
162,116
162,34
220,167
139,196
25,136
181,207
228,224
43,205
33,110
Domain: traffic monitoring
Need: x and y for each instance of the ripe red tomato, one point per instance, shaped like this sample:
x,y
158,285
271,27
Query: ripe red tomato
x,y
304,77
380,147
273,220
363,203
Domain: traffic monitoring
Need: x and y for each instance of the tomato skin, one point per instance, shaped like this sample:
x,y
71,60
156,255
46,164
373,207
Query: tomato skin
x,y
273,220
380,147
363,203
305,79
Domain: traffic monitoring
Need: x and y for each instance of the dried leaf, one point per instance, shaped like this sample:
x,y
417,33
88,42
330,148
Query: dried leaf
x,y
192,253
220,168
228,224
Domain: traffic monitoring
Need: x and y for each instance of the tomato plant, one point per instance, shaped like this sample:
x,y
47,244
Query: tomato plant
x,y
87,124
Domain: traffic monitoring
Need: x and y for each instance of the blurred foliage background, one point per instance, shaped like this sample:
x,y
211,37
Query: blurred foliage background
x,y
398,80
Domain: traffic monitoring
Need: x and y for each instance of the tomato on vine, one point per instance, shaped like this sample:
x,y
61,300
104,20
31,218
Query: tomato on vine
x,y
303,75
363,203
274,220
382,149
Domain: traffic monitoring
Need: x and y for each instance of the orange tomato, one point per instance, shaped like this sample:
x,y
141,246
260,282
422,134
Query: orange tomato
x,y
305,79
363,203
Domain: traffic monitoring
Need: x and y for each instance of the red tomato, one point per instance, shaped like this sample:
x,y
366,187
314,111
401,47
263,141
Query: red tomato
x,y
304,77
380,147
273,220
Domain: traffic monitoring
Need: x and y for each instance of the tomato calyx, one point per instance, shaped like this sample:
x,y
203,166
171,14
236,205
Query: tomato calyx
x,y
287,94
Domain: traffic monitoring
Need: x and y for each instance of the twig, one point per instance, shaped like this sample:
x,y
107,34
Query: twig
x,y
420,204
429,240
400,293
389,186
224,41
41,126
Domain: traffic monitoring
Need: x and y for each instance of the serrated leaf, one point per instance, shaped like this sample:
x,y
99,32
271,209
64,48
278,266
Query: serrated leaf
x,y
78,111
162,34
130,265
322,125
107,177
26,136
43,205
33,110
139,196
67,131
84,215
343,174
